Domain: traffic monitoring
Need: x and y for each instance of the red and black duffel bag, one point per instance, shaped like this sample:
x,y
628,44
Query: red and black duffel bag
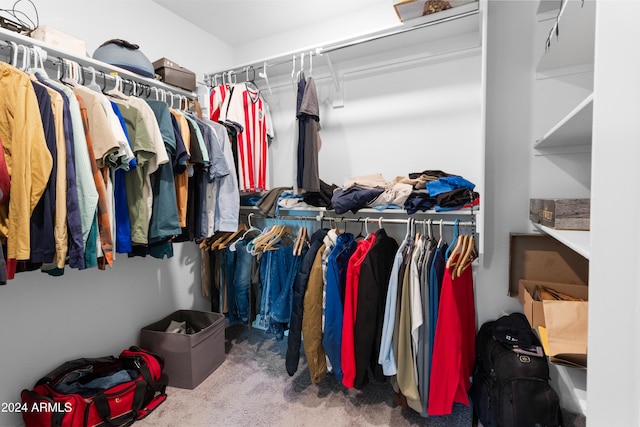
x,y
106,391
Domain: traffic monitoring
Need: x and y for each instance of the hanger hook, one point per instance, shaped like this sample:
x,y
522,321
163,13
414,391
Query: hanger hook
x,y
380,222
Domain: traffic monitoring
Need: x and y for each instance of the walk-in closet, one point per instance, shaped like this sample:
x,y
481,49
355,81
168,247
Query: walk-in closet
x,y
345,185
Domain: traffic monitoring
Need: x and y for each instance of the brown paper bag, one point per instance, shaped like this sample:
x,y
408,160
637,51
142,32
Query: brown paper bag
x,y
567,331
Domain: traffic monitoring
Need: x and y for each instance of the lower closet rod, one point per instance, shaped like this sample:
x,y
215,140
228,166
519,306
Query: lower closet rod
x,y
401,221
373,220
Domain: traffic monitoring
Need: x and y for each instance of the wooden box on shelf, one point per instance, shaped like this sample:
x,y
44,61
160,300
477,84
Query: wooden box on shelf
x,y
562,214
411,9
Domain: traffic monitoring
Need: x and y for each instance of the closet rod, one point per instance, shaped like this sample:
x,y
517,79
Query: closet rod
x,y
6,37
372,220
319,51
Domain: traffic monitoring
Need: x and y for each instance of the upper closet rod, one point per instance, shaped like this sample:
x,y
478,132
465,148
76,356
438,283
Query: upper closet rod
x,y
319,51
6,37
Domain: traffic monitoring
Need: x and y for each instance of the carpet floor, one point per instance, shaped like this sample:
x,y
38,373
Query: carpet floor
x,y
252,388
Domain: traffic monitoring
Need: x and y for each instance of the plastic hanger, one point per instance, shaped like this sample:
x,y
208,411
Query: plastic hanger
x,y
310,64
263,75
441,230
25,58
251,229
169,95
300,74
156,92
454,240
14,53
92,83
293,72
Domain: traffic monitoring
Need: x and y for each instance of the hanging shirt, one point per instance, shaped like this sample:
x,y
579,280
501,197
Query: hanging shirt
x,y
87,193
216,99
336,279
245,109
348,355
454,347
136,179
387,358
103,216
120,208
105,145
164,214
311,110
227,211
372,292
74,217
182,179
60,221
43,245
28,160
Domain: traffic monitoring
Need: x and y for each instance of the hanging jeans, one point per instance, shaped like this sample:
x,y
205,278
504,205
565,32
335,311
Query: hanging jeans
x,y
278,270
237,276
242,279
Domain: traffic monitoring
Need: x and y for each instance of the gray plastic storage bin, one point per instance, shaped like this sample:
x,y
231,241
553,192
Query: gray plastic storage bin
x,y
189,358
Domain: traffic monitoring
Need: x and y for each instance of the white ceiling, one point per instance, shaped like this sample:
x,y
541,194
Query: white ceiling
x,y
237,22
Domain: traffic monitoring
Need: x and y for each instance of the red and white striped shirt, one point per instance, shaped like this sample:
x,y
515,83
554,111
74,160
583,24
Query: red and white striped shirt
x,y
216,98
245,109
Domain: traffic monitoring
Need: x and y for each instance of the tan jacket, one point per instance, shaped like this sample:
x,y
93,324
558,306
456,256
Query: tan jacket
x,y
28,158
312,321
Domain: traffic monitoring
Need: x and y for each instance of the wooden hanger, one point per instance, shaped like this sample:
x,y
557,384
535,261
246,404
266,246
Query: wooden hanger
x,y
454,256
217,239
300,241
285,231
241,229
469,255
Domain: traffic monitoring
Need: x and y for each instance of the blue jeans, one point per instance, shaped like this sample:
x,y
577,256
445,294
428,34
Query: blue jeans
x,y
228,279
242,279
278,270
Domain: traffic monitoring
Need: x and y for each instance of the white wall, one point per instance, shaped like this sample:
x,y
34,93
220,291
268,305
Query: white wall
x,y
507,156
614,299
158,32
44,320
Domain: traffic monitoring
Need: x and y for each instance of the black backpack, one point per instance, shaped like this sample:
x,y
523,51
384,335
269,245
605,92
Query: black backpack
x,y
510,383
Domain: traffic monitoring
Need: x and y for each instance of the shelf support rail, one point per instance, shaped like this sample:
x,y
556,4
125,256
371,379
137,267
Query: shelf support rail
x,y
56,57
320,51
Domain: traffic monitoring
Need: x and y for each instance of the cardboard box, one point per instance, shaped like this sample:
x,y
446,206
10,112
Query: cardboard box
x,y
563,214
564,323
541,257
189,358
175,75
60,40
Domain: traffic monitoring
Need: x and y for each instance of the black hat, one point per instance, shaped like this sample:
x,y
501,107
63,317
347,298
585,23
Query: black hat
x,y
514,331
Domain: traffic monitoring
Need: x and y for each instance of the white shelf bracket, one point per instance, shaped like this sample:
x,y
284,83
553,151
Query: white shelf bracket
x,y
338,93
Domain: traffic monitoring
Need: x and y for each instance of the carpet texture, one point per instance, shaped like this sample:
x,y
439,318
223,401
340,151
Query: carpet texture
x,y
252,388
